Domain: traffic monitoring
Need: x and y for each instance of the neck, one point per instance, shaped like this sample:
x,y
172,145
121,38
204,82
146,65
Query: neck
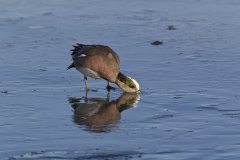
x,y
127,84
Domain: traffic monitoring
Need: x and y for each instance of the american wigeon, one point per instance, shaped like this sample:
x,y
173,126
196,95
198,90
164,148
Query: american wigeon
x,y
100,61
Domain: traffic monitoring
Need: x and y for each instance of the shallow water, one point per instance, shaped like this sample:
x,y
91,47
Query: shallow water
x,y
189,104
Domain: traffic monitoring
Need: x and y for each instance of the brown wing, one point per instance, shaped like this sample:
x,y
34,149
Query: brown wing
x,y
99,58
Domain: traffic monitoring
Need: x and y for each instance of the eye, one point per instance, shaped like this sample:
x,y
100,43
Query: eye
x,y
132,86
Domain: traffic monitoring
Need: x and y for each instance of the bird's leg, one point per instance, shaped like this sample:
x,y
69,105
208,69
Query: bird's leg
x,y
86,95
108,96
86,83
109,87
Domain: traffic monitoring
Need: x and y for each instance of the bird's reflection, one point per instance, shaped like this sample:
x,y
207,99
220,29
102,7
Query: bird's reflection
x,y
101,114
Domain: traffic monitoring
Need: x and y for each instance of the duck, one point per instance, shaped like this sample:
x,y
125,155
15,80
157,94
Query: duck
x,y
101,62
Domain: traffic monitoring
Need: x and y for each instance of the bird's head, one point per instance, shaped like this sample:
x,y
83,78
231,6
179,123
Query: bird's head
x,y
127,83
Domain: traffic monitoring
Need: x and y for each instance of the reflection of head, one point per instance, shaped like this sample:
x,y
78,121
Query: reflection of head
x,y
98,114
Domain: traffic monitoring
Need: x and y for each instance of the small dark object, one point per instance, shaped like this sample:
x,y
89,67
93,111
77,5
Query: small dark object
x,y
156,43
5,92
171,27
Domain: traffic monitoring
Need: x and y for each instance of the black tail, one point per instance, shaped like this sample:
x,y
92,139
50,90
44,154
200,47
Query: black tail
x,y
78,48
71,66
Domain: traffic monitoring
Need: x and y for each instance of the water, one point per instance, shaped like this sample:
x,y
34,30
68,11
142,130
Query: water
x,y
189,104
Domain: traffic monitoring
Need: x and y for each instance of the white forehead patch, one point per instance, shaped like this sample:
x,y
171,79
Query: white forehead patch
x,y
136,83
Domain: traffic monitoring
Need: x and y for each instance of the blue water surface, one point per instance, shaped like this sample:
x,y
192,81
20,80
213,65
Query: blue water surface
x,y
189,106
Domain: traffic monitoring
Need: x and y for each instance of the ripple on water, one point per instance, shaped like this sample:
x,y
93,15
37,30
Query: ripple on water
x,y
95,154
